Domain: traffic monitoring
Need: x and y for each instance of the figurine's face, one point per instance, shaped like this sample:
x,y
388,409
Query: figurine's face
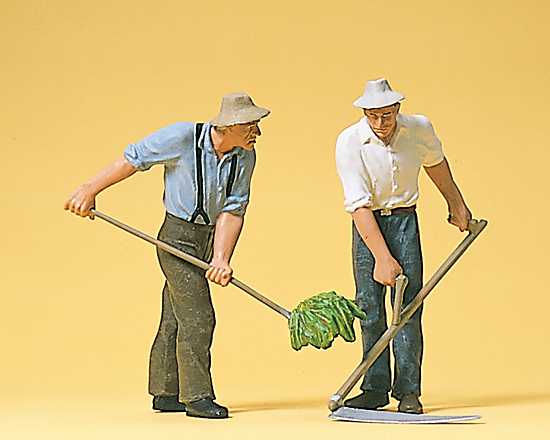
x,y
383,120
244,135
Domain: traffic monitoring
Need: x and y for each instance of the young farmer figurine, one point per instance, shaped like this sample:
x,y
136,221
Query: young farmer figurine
x,y
379,160
207,176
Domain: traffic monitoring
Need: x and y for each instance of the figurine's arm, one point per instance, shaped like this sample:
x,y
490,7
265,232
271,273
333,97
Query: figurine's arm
x,y
459,214
228,230
386,268
83,198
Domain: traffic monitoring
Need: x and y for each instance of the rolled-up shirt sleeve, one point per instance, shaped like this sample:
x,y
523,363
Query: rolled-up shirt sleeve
x,y
356,184
161,147
434,151
237,201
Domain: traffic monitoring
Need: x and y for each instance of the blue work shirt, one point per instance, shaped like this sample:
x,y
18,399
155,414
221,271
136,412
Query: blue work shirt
x,y
174,147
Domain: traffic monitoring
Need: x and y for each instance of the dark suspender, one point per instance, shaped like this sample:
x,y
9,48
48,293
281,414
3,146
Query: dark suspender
x,y
231,178
199,210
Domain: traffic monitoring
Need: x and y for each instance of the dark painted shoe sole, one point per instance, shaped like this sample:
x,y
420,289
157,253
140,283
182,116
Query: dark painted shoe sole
x,y
206,416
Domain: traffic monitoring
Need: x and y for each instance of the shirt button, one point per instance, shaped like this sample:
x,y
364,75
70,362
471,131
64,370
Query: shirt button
x,y
395,167
395,186
220,188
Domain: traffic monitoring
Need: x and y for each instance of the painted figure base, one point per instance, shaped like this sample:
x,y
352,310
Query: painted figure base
x,y
378,416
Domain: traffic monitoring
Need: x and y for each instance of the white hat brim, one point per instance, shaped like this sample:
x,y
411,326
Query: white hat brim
x,y
378,100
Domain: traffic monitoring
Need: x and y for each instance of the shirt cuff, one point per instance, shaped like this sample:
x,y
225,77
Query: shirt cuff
x,y
363,203
130,156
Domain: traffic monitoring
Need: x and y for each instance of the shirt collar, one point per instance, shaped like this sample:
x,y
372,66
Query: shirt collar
x,y
206,141
367,136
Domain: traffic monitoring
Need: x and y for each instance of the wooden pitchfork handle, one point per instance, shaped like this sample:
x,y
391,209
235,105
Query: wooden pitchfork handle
x,y
474,227
190,259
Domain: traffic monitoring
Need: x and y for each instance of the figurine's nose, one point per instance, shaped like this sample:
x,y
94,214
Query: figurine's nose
x,y
378,122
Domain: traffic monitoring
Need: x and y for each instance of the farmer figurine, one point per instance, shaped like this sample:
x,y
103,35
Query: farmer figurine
x,y
207,173
379,160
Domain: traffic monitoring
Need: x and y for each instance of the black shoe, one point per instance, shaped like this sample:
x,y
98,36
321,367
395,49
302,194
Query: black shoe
x,y
207,408
368,400
410,404
168,404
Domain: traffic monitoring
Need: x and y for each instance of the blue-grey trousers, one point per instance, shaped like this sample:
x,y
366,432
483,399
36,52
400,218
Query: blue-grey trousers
x,y
402,237
179,363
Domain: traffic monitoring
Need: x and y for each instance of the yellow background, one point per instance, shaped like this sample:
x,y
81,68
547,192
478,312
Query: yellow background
x,y
80,300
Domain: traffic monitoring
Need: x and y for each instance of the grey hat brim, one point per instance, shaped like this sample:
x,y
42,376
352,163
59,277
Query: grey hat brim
x,y
238,108
239,117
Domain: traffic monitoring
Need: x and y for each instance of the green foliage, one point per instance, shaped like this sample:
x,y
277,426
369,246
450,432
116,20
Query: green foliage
x,y
320,319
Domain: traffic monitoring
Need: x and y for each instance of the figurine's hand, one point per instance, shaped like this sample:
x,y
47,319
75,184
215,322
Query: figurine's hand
x,y
219,272
460,218
81,201
386,271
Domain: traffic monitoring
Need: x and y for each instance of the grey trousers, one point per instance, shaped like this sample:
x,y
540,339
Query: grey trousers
x,y
403,240
179,363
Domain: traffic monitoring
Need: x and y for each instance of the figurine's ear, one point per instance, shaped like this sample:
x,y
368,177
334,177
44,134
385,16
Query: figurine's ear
x,y
221,130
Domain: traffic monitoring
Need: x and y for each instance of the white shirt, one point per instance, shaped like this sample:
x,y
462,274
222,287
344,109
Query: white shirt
x,y
380,176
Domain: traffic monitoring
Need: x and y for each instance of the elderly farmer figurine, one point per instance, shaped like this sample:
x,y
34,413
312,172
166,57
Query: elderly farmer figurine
x,y
379,160
207,173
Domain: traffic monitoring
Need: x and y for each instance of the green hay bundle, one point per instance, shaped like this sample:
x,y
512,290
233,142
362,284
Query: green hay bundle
x,y
320,319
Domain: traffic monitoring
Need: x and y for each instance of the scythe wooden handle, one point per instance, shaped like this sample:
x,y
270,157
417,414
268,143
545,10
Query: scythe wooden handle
x,y
190,259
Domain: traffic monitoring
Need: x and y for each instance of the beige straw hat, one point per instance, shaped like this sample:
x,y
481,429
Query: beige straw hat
x,y
378,94
238,108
